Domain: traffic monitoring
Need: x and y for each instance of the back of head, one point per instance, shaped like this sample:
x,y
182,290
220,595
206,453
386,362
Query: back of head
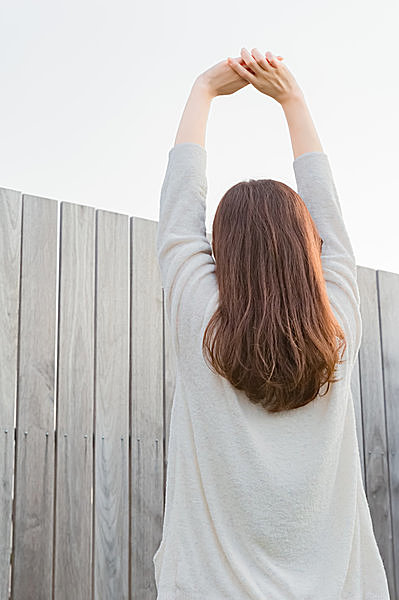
x,y
273,334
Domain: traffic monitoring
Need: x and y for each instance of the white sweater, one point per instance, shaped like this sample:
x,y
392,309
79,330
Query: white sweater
x,y
258,506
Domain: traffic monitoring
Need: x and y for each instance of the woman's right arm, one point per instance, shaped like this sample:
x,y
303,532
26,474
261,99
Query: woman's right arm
x,y
272,78
316,187
315,184
304,137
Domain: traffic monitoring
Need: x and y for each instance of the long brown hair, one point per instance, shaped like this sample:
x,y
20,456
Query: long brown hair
x,y
274,334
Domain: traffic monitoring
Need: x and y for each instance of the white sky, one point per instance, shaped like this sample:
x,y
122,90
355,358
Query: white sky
x,y
92,94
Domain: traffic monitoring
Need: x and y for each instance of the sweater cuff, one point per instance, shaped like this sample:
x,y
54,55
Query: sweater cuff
x,y
308,154
189,149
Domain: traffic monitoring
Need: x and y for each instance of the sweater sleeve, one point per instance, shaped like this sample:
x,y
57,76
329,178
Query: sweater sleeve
x,y
317,189
187,267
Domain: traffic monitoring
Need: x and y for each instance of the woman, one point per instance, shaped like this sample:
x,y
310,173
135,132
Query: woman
x,y
264,499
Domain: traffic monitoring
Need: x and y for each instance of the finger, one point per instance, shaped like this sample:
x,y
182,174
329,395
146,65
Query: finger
x,y
241,70
272,60
260,59
238,59
250,61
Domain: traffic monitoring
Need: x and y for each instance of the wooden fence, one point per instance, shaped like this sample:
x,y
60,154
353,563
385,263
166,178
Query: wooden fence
x,y
86,386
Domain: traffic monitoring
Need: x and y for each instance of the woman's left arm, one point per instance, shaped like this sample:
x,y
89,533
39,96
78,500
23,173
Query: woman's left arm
x,y
192,127
184,253
219,80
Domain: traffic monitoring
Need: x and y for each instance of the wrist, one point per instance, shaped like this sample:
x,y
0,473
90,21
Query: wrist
x,y
293,99
202,87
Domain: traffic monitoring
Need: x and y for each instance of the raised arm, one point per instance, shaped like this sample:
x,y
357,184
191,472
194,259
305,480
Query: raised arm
x,y
185,258
218,80
272,78
304,137
315,185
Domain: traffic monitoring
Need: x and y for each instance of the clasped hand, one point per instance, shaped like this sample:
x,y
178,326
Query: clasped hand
x,y
265,72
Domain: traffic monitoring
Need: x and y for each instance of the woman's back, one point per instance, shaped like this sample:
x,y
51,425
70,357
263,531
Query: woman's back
x,y
258,505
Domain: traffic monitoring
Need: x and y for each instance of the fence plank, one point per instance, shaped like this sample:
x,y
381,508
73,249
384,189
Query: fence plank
x,y
10,245
147,408
375,441
34,473
388,291
111,492
74,452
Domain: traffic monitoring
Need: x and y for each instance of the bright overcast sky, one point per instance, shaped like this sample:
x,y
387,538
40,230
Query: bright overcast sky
x,y
92,94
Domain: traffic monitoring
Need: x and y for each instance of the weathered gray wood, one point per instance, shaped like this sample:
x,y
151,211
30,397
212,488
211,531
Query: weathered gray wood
x,y
74,451
147,408
111,493
34,475
388,288
10,257
374,430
